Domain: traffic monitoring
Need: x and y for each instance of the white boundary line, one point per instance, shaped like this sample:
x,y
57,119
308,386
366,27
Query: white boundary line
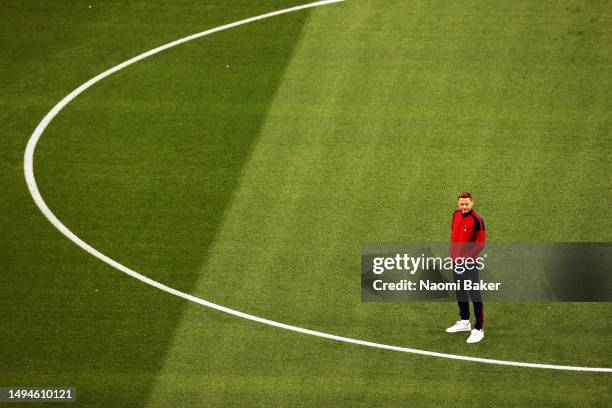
x,y
28,167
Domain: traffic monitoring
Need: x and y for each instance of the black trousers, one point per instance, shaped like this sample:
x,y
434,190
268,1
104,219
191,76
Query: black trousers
x,y
464,297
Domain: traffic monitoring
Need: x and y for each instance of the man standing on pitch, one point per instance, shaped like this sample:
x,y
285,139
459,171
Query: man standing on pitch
x,y
467,240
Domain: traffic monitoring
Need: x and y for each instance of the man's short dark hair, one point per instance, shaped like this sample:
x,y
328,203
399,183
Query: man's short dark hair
x,y
465,194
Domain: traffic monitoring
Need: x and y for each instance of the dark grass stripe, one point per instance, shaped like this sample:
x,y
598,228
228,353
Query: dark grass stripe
x,y
142,166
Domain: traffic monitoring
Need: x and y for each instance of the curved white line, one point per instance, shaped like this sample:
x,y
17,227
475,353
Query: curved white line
x,y
28,167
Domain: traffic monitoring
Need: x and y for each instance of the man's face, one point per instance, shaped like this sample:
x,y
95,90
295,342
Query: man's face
x,y
465,204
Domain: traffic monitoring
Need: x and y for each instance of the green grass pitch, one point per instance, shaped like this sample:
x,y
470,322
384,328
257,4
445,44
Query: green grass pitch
x,y
247,167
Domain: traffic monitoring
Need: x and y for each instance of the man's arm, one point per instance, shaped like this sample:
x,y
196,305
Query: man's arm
x,y
479,239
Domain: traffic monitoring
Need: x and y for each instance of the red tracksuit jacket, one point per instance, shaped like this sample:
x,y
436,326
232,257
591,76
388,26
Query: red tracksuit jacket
x,y
467,234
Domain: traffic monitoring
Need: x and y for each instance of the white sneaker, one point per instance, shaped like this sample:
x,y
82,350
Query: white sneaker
x,y
460,326
475,336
